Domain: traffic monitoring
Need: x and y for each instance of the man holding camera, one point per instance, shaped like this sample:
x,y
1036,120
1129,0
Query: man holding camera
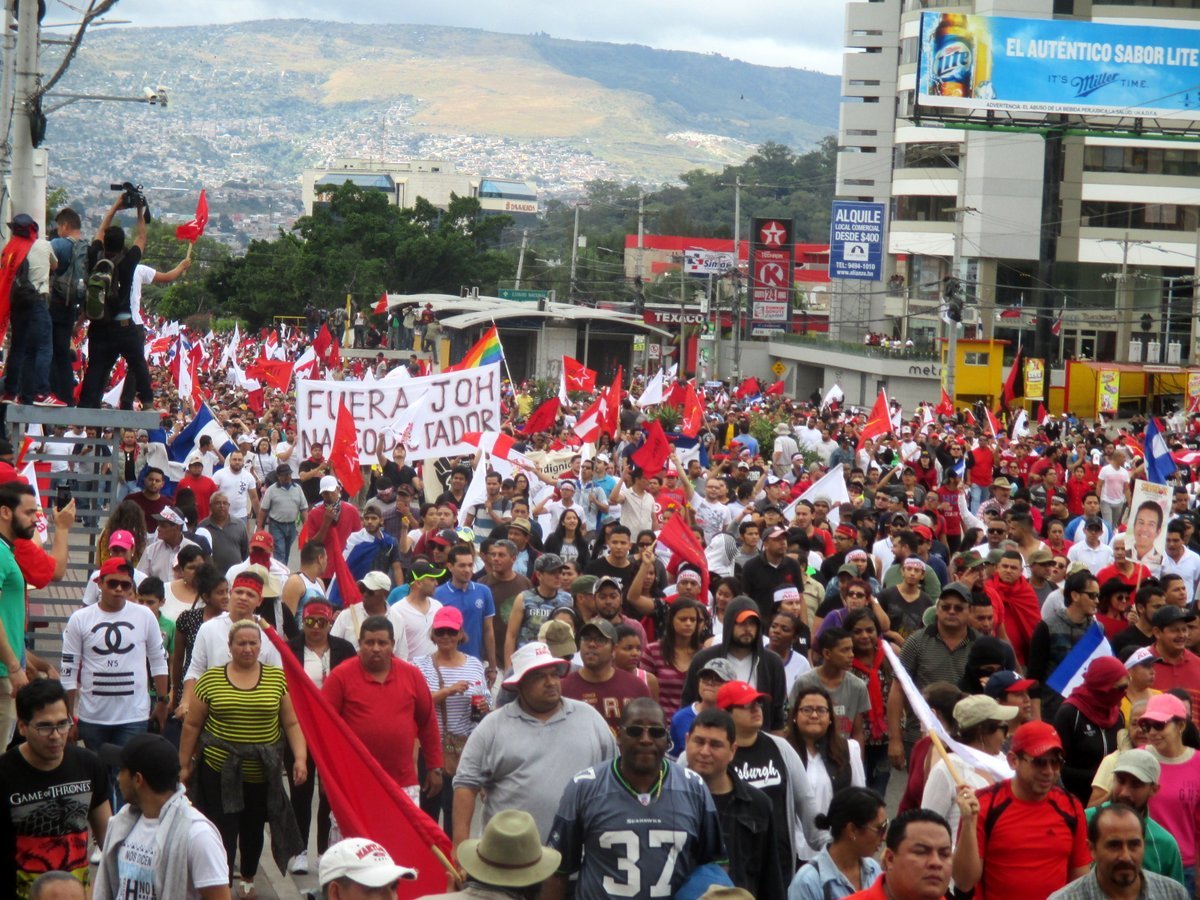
x,y
120,334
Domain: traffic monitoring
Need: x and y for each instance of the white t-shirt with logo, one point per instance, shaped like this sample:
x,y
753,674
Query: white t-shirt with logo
x,y
236,486
207,864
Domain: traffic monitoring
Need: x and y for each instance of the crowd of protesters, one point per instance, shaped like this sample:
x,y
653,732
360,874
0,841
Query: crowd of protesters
x,y
654,673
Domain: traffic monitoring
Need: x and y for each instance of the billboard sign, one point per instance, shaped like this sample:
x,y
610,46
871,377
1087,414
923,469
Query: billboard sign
x,y
1044,66
706,262
772,273
856,240
1035,379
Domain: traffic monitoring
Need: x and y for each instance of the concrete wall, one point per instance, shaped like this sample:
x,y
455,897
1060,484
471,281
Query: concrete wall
x,y
809,368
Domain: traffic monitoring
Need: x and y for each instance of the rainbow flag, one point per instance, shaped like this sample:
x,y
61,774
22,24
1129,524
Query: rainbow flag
x,y
487,350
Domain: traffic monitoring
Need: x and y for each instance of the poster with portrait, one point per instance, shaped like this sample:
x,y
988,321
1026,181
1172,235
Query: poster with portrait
x,y
1146,528
1108,392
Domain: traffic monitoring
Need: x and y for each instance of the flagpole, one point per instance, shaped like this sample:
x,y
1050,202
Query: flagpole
x,y
504,358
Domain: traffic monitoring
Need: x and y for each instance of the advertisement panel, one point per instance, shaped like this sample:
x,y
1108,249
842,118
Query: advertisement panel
x,y
1035,379
979,63
1193,389
706,262
856,240
1108,391
772,261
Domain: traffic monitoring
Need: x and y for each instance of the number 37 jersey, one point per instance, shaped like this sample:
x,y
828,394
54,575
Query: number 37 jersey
x,y
625,844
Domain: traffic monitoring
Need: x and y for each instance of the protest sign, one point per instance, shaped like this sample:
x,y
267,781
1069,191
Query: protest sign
x,y
1147,518
456,402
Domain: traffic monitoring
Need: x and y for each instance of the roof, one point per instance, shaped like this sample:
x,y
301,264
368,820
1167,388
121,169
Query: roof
x,y
469,312
361,179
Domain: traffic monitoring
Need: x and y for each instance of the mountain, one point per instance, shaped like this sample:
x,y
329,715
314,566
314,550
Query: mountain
x,y
252,104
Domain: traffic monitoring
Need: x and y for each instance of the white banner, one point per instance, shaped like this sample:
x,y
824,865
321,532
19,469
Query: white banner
x,y
457,402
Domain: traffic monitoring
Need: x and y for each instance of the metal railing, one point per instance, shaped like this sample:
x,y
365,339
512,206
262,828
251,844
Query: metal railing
x,y
920,351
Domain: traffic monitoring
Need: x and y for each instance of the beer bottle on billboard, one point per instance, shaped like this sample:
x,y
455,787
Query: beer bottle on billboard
x,y
981,79
953,57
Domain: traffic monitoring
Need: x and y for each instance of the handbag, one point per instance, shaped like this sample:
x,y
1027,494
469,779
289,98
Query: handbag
x,y
452,744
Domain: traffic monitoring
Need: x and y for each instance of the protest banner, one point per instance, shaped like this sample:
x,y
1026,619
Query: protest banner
x,y
454,403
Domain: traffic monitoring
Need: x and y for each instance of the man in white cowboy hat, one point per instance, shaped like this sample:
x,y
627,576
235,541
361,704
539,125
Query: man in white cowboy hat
x,y
358,869
526,752
509,860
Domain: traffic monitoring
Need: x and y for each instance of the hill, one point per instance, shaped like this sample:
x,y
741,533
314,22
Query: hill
x,y
252,104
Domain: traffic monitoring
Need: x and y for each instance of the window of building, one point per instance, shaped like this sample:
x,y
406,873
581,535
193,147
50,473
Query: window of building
x,y
922,208
975,359
1142,160
926,156
1156,216
910,49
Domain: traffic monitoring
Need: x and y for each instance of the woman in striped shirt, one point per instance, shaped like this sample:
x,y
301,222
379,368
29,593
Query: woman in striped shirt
x,y
240,715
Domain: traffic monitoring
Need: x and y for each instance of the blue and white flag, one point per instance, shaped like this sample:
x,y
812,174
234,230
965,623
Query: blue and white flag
x,y
959,469
1159,464
1069,674
188,439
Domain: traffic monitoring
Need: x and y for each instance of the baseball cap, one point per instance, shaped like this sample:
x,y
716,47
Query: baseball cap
x,y
364,862
747,614
548,562
1169,615
283,469
448,617
956,587
848,569
1164,708
980,708
1007,682
1039,738
1141,764
439,538
1141,656
121,538
972,560
376,581
777,531
170,515
114,565
606,628
151,755
558,636
994,556
329,483
529,658
605,581
1040,555
1093,522
584,584
422,569
194,461
262,539
738,693
719,666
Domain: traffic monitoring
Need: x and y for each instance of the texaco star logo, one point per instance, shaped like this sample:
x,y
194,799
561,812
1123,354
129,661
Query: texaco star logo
x,y
772,234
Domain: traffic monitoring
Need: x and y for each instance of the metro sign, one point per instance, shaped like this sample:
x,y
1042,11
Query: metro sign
x,y
772,234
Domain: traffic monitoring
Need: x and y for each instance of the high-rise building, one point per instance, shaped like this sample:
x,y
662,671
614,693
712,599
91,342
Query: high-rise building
x,y
1125,210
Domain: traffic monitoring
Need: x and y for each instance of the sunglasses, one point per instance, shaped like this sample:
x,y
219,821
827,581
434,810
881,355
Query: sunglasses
x,y
997,531
856,594
993,727
657,732
315,622
1093,594
445,632
1152,724
118,585
952,607
1044,762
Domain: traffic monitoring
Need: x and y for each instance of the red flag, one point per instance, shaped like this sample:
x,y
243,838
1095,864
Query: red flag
x,y
878,423
13,255
612,405
343,454
693,412
588,426
365,799
193,230
969,417
275,372
1041,414
946,407
1009,392
542,418
747,388
775,390
578,376
256,401
346,583
678,536
652,456
326,348
677,396
381,307
1011,312
993,424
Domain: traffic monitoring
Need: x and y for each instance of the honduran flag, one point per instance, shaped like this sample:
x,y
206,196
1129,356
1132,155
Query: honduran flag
x,y
1069,674
188,439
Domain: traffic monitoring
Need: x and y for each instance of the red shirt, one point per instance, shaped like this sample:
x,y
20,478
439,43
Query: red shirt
x,y
388,716
349,521
35,563
983,467
203,487
1183,674
1139,573
875,892
610,697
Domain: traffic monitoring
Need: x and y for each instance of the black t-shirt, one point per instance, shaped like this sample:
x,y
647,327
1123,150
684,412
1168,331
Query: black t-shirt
x,y
906,617
44,825
125,269
311,487
601,567
762,766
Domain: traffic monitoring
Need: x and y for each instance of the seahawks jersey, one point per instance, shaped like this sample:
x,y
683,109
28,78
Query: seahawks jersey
x,y
624,844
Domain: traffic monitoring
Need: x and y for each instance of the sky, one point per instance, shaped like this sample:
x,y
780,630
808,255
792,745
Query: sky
x,y
805,34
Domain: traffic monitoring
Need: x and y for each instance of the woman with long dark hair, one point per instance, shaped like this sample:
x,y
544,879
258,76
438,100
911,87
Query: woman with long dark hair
x,y
668,658
568,541
181,593
831,760
212,598
857,822
871,665
128,516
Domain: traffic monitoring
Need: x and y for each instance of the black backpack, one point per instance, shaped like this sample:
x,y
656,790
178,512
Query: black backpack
x,y
23,294
104,289
69,287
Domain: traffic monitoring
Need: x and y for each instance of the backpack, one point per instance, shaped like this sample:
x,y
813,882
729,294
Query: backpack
x,y
104,289
23,294
70,286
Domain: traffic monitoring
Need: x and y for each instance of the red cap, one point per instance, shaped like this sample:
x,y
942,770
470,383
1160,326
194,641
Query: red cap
x,y
747,614
738,693
114,565
263,539
923,532
846,530
1036,739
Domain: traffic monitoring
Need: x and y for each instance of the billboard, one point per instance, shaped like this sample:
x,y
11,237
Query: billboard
x,y
978,63
706,262
856,240
772,262
1035,379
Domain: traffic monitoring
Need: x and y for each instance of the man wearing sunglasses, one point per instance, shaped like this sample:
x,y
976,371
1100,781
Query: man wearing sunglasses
x,y
107,651
55,790
996,853
636,826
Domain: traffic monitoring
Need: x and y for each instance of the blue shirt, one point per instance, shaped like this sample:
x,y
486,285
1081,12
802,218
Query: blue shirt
x,y
476,605
821,879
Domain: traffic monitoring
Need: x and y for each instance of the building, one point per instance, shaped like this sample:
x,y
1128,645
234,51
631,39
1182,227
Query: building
x,y
1123,242
435,180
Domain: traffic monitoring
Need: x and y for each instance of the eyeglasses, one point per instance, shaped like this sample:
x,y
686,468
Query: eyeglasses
x,y
1093,594
315,622
445,632
811,711
859,594
1152,724
118,585
45,729
657,732
1044,762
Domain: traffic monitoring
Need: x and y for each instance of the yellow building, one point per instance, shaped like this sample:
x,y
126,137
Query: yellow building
x,y
978,371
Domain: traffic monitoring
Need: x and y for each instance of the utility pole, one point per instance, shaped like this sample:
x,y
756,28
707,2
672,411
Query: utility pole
x,y
958,268
6,108
737,281
521,258
26,197
574,253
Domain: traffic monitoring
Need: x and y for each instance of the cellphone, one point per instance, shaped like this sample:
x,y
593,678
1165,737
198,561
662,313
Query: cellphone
x,y
63,497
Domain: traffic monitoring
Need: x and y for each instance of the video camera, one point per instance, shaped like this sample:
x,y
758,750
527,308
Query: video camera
x,y
132,196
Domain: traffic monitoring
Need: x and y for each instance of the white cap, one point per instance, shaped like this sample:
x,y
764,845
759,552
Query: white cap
x,y
329,483
363,862
532,656
1139,656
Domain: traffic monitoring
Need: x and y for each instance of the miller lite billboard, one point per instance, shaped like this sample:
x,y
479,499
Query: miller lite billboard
x,y
980,63
772,264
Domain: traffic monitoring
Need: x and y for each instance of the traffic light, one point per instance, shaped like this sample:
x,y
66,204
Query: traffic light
x,y
952,293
